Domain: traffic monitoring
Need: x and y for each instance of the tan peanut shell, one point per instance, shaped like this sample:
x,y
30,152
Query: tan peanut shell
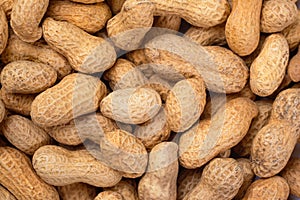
x,y
250,58
163,87
276,15
18,176
271,188
89,17
19,103
292,176
128,27
86,53
124,152
5,194
3,111
7,6
221,179
186,95
77,191
139,58
27,77
209,137
197,13
171,22
243,148
268,69
292,33
286,107
24,134
248,177
131,105
159,182
154,131
109,195
242,28
207,36
127,188
115,5
87,1
124,74
187,180
26,17
92,127
75,95
275,141
59,166
3,30
18,50
293,68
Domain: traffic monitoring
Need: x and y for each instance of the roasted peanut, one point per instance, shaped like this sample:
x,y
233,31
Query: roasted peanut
x,y
292,33
293,68
161,86
170,22
77,191
291,175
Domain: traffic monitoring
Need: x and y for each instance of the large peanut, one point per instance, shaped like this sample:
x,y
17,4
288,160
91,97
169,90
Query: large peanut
x,y
159,182
77,191
76,95
221,179
18,176
59,166
207,139
292,176
26,17
27,77
242,28
292,33
96,56
131,105
293,68
268,69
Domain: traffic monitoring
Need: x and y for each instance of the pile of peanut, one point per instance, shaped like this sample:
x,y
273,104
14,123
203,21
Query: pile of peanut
x,y
149,99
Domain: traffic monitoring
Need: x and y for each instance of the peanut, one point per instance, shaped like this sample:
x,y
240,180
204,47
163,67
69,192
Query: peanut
x,y
159,182
127,188
293,68
124,152
161,86
24,134
5,194
208,138
87,1
7,6
268,69
66,38
291,175
274,142
76,95
221,179
26,17
27,77
170,22
242,28
77,191
18,176
109,195
3,30
2,111
59,166
115,5
292,33
131,105
271,188
138,58
89,17
187,180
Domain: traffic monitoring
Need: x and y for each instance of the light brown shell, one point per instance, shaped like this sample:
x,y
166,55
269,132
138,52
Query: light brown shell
x,y
124,152
19,103
5,194
124,74
292,33
59,166
276,15
75,95
272,148
291,174
89,17
207,139
138,58
109,195
27,77
207,36
131,105
115,5
3,111
86,53
87,1
77,191
3,30
26,17
160,180
221,179
268,69
153,131
293,68
243,148
18,50
7,6
92,127
24,134
242,28
171,22
271,188
18,176
187,181
127,188
186,95
161,86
